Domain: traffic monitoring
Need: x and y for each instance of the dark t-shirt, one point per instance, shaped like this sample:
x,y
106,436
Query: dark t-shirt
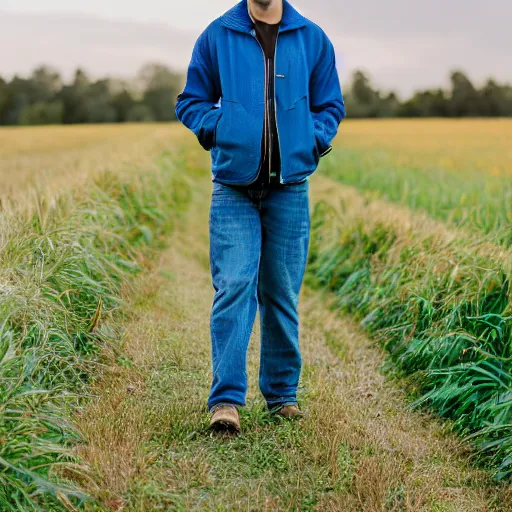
x,y
270,166
267,36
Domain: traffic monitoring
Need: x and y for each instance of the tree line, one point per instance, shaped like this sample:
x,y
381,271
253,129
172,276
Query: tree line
x,y
44,98
463,99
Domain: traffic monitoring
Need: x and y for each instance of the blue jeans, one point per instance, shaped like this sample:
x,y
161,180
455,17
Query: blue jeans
x,y
258,252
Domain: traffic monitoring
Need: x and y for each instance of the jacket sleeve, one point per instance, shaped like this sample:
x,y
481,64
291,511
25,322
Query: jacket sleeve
x,y
326,99
196,106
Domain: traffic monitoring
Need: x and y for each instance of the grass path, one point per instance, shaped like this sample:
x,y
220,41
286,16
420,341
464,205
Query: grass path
x,y
358,449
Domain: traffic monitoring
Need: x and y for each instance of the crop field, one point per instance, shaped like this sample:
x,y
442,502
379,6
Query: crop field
x,y
406,327
459,171
51,159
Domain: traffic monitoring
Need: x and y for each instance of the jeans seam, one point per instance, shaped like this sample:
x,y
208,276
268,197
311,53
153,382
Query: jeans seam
x,y
282,399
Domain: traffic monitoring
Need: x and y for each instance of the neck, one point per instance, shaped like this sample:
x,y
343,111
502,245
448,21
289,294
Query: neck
x,y
269,11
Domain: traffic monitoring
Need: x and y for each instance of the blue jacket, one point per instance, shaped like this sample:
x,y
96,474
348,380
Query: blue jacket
x,y
223,100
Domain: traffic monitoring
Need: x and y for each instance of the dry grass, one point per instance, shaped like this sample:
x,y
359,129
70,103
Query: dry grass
x,y
61,272
416,286
54,158
457,171
359,448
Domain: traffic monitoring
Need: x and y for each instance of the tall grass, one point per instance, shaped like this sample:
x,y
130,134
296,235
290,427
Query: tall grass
x,y
439,302
63,275
468,197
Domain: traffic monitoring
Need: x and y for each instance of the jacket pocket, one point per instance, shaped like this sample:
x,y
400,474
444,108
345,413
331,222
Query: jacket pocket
x,y
299,136
236,155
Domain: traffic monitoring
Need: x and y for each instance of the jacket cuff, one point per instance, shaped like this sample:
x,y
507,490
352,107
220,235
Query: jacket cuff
x,y
328,150
206,134
322,144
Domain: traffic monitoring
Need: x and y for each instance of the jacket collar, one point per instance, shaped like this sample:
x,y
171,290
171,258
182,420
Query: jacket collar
x,y
238,18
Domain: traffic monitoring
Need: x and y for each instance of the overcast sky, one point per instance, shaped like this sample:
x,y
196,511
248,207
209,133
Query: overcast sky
x,y
404,44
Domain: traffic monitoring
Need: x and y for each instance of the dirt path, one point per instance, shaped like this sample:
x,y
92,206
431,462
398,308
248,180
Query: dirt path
x,y
358,448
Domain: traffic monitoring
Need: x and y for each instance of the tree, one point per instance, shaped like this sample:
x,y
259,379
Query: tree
x,y
97,103
496,100
465,100
362,90
122,103
45,83
161,103
73,99
160,86
363,100
16,96
42,98
140,113
389,105
81,81
157,76
99,111
426,104
42,113
5,94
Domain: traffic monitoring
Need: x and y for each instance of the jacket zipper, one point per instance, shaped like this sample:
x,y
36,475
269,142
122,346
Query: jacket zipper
x,y
268,150
275,115
265,117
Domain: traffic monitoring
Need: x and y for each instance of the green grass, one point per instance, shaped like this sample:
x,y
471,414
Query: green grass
x,y
467,198
440,305
63,274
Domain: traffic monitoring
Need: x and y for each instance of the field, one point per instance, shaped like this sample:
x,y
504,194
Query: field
x,y
458,171
406,333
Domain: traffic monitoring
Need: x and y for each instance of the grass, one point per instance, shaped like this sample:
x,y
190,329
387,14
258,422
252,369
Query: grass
x,y
437,300
359,447
104,354
435,293
63,272
456,171
49,160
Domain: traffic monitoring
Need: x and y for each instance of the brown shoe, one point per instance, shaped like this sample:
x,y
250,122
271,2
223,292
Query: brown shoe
x,y
290,411
225,418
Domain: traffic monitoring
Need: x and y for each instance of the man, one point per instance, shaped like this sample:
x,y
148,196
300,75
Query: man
x,y
263,95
